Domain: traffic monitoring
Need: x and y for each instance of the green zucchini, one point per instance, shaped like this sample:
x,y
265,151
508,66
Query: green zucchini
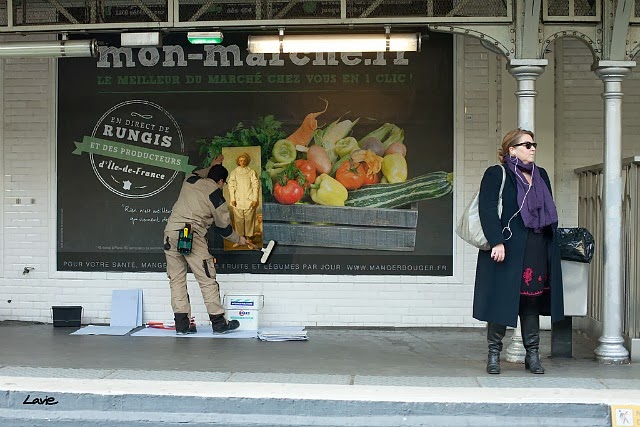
x,y
429,186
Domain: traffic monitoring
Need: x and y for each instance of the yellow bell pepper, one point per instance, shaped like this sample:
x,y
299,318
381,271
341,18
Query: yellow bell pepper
x,y
327,191
394,168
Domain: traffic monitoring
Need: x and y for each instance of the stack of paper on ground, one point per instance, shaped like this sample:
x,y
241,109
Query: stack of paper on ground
x,y
203,332
283,333
126,314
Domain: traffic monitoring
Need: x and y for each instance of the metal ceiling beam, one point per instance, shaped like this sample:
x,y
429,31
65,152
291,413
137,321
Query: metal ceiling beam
x,y
527,25
634,42
252,23
520,33
60,9
202,10
371,8
93,12
615,36
175,22
589,34
497,38
10,13
430,10
146,10
286,9
457,7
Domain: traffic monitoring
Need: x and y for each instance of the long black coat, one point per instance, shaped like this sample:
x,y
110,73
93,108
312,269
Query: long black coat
x,y
497,289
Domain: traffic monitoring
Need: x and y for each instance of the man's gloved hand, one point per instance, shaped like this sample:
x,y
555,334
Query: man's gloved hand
x,y
218,160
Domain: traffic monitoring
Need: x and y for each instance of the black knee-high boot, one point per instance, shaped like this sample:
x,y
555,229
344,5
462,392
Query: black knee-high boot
x,y
495,334
530,325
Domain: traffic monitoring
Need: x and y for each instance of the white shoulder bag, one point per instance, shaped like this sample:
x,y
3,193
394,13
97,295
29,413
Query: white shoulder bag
x,y
469,227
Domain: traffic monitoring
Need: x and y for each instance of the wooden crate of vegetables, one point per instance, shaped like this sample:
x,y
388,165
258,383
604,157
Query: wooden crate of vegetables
x,y
340,227
329,189
378,216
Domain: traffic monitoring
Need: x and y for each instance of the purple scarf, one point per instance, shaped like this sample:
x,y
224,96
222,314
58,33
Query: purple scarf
x,y
539,209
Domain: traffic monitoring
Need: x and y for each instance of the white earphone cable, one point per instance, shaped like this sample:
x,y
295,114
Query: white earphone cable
x,y
515,170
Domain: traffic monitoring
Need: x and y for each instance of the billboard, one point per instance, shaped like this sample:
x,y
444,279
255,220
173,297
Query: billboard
x,y
356,154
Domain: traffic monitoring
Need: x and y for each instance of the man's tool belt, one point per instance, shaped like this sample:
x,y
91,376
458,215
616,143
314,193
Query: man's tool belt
x,y
185,240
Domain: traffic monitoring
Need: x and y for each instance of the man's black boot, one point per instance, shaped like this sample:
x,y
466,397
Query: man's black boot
x,y
182,324
530,325
495,334
192,326
220,325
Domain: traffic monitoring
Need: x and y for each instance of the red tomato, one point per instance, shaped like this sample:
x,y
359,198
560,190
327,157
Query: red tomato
x,y
374,178
308,169
288,194
351,175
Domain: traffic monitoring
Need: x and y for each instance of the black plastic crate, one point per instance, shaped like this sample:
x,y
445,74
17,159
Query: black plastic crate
x,y
67,315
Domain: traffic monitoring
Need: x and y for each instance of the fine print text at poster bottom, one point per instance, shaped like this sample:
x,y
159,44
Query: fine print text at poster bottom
x,y
426,265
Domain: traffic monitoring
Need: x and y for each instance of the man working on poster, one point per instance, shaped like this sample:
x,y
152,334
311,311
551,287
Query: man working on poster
x,y
199,205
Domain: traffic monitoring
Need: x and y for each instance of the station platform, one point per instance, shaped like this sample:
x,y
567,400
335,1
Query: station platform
x,y
340,377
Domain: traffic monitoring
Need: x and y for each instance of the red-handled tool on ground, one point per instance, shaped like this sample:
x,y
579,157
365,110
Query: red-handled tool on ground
x,y
158,324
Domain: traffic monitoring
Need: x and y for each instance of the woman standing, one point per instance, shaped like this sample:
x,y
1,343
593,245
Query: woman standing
x,y
521,273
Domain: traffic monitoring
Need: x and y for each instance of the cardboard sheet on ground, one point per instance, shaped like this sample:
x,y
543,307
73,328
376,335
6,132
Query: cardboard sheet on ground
x,y
126,314
283,333
126,307
206,332
103,330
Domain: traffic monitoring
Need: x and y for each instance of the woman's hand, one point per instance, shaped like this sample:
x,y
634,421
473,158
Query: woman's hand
x,y
497,253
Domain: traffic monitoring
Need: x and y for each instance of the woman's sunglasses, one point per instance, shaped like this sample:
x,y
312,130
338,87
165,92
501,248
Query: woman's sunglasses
x,y
527,145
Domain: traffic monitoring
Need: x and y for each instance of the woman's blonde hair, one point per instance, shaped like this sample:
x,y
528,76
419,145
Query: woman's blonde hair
x,y
246,155
509,140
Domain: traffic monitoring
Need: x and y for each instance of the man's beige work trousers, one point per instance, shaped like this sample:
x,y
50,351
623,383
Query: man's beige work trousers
x,y
201,263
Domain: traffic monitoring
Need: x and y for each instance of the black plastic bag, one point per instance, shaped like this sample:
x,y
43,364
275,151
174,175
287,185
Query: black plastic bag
x,y
576,244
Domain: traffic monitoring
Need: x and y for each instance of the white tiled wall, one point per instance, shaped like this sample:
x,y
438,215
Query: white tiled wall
x,y
579,121
28,217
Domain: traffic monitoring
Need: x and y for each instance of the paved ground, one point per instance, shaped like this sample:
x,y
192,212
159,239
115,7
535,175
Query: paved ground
x,y
382,353
417,366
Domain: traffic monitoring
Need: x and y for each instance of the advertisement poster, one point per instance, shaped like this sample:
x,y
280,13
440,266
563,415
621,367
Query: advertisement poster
x,y
243,194
356,154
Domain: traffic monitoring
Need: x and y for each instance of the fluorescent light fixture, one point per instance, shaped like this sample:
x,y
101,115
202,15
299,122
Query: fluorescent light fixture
x,y
202,37
407,42
140,39
49,49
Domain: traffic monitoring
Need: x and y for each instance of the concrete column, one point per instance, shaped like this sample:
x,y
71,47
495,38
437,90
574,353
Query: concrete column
x,y
611,349
525,71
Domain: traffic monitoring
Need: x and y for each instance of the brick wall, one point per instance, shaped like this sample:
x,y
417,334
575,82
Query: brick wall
x,y
27,99
477,125
28,225
29,229
579,121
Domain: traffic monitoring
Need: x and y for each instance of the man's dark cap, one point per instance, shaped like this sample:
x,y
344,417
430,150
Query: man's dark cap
x,y
218,172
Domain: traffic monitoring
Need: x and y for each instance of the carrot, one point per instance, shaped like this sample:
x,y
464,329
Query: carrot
x,y
304,133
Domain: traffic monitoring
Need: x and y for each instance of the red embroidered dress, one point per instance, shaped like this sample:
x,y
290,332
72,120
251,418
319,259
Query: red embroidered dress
x,y
535,271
